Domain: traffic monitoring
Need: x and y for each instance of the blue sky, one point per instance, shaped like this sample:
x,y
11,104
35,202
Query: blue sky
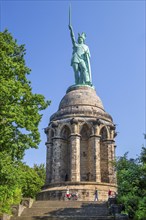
x,y
116,37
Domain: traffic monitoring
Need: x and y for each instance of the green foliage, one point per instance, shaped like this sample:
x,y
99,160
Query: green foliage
x,y
19,119
141,211
32,181
128,175
9,196
18,180
10,190
131,177
41,171
19,107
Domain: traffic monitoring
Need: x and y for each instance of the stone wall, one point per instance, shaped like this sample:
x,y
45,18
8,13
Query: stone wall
x,y
84,160
65,160
104,162
85,191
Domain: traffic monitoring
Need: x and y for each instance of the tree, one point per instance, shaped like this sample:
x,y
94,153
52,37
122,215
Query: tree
x,y
141,211
32,180
10,182
18,180
131,177
19,120
19,107
41,171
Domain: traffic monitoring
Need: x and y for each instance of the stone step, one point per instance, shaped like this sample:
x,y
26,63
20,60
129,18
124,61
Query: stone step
x,y
65,210
62,204
63,218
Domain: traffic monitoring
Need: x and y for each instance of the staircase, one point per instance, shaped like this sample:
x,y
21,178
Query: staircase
x,y
65,210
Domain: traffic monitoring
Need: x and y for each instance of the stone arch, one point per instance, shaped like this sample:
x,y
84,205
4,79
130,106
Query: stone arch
x,y
85,133
65,156
104,133
65,132
50,134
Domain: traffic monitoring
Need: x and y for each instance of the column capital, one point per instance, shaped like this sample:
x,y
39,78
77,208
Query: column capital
x,y
57,137
96,136
48,143
74,135
109,141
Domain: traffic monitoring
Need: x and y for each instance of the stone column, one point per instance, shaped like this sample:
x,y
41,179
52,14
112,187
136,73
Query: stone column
x,y
97,158
114,171
56,159
49,163
113,150
75,157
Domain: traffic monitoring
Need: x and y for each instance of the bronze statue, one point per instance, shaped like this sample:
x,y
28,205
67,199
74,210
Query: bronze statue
x,y
80,58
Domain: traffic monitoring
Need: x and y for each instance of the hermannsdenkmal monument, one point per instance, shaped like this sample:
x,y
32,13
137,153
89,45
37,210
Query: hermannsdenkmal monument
x,y
80,137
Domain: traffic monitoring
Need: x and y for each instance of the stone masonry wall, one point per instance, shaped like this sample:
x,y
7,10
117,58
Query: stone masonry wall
x,y
104,162
65,160
84,161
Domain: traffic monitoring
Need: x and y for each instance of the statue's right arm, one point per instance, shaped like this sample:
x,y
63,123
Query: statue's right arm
x,y
72,34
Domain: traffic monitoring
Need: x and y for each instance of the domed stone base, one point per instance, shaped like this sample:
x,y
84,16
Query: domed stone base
x,y
80,147
84,190
80,101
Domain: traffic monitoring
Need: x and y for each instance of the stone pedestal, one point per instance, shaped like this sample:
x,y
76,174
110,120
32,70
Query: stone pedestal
x,y
80,147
